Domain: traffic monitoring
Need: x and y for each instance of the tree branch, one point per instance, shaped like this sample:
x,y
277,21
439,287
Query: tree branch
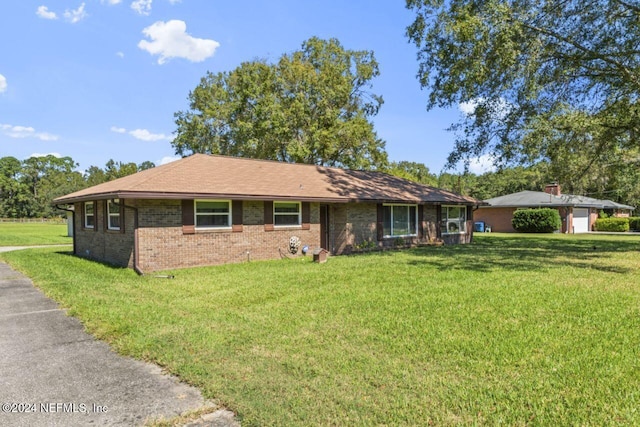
x,y
591,52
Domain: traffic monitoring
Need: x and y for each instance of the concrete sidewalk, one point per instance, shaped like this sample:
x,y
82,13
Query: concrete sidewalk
x,y
53,373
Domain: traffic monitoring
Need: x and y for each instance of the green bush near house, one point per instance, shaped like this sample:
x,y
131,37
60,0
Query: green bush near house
x,y
634,223
544,220
612,224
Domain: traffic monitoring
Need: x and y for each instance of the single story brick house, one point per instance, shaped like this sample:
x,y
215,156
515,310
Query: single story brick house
x,y
206,210
578,213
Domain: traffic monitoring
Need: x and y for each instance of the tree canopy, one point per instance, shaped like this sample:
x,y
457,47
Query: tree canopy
x,y
413,171
545,79
312,106
28,187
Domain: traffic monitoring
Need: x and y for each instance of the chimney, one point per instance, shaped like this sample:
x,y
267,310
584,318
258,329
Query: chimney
x,y
552,189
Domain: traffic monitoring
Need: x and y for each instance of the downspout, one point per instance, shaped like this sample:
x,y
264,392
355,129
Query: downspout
x,y
73,223
136,249
474,208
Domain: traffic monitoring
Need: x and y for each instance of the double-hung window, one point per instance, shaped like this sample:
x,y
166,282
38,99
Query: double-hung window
x,y
113,214
287,214
89,215
400,220
213,213
454,219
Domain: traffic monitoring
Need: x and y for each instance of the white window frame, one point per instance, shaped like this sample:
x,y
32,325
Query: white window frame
x,y
212,227
276,214
93,214
110,214
461,223
408,206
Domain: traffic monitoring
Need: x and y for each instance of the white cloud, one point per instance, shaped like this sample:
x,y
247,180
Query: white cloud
x,y
3,83
482,164
500,107
469,107
168,159
75,16
143,7
110,2
170,40
58,155
26,132
175,1
145,135
120,54
44,13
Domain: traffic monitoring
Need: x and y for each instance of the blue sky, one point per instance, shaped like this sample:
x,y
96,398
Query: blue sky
x,y
101,79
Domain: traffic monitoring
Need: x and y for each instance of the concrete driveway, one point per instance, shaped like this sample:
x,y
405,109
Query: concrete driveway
x,y
53,373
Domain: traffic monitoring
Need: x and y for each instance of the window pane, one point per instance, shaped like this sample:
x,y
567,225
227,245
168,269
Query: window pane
x,y
400,220
453,212
286,207
286,219
113,208
212,207
88,208
386,220
89,221
114,221
212,221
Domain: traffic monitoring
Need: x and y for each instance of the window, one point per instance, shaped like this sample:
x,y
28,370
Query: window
x,y
113,214
213,213
400,220
89,216
286,213
454,219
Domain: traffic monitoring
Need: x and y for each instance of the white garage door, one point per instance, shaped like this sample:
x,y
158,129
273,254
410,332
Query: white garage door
x,y
580,220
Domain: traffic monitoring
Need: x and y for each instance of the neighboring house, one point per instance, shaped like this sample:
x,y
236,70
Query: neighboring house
x,y
205,210
578,213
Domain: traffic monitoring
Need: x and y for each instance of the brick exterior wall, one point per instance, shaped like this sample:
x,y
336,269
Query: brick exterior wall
x,y
163,244
499,219
355,223
101,244
593,217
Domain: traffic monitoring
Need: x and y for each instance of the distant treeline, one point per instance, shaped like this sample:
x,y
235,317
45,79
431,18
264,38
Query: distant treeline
x,y
27,187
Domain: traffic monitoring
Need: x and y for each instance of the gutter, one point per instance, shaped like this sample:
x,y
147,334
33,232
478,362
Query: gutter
x,y
123,195
73,223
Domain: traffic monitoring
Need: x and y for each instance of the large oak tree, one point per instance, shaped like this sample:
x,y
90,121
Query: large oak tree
x,y
547,79
312,106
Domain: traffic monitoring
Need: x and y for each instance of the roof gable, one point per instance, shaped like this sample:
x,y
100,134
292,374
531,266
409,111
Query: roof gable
x,y
210,176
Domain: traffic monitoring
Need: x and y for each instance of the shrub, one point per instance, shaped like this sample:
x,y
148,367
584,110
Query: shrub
x,y
544,220
612,224
634,223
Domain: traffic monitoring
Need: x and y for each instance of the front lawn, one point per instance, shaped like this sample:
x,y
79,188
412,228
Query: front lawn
x,y
513,330
33,233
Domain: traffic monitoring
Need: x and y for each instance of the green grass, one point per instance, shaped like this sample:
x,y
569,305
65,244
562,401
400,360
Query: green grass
x,y
513,330
33,233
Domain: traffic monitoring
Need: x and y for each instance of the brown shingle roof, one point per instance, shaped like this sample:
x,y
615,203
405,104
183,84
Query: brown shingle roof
x,y
205,176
